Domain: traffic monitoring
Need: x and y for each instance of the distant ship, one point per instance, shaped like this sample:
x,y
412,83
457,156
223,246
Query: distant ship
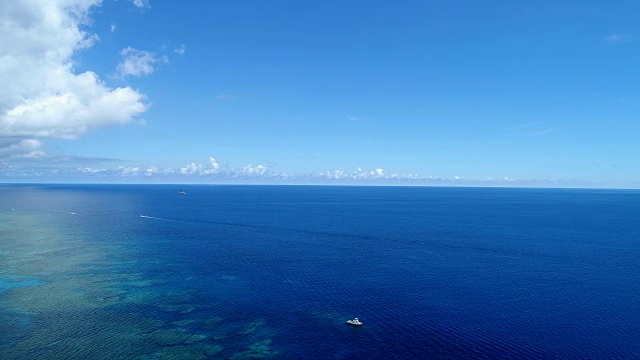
x,y
354,322
182,192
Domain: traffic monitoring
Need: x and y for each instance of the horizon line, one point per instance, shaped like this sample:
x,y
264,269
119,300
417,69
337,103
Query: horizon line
x,y
327,185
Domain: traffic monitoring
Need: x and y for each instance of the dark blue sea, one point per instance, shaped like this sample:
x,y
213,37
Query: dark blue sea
x,y
246,272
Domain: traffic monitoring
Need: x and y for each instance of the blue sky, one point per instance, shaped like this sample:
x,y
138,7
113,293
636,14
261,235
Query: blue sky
x,y
528,93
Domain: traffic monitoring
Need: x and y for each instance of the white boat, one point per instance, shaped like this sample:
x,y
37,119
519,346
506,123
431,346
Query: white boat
x,y
354,322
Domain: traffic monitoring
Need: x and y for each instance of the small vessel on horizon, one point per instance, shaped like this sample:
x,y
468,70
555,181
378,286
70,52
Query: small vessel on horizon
x,y
354,322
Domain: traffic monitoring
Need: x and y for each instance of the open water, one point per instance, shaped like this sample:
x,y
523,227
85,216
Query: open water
x,y
244,272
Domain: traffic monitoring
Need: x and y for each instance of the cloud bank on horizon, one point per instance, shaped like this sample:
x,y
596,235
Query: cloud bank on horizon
x,y
214,169
215,172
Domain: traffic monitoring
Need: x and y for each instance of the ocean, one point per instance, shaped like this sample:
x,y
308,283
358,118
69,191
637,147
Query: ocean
x,y
246,272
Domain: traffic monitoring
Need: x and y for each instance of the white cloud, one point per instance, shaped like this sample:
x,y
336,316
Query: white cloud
x,y
125,171
257,170
191,169
41,95
129,170
141,3
214,167
92,171
137,62
21,148
181,50
112,28
216,172
151,171
358,174
199,169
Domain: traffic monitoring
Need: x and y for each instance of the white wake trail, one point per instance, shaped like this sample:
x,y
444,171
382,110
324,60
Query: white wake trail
x,y
66,212
152,217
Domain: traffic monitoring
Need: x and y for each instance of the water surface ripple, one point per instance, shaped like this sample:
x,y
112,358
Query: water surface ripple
x,y
242,272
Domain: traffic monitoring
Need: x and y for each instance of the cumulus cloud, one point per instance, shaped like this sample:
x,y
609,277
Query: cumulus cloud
x,y
151,171
112,28
257,170
191,169
21,148
214,167
199,169
358,174
42,95
137,62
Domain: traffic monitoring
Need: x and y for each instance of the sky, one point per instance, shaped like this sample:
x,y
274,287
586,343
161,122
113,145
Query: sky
x,y
470,93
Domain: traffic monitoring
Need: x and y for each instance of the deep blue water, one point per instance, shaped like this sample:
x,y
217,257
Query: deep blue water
x,y
275,271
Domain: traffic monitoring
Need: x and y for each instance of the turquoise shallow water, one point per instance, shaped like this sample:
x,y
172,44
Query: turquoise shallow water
x,y
241,272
